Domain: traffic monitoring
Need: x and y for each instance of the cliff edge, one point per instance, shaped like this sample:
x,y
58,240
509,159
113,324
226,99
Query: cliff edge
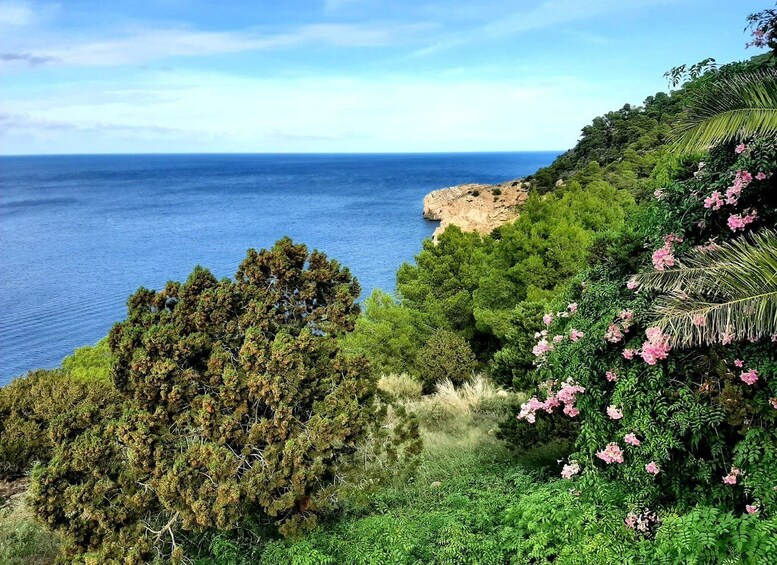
x,y
475,207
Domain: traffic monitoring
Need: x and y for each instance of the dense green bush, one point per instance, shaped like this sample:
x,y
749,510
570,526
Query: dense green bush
x,y
388,334
446,355
30,405
234,402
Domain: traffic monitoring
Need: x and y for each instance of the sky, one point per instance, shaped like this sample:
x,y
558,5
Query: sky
x,y
141,76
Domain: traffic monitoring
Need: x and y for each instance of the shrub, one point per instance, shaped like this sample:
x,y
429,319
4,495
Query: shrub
x,y
234,402
446,356
89,363
496,191
29,405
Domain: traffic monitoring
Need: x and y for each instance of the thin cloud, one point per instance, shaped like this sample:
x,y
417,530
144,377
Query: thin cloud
x,y
548,14
143,46
15,14
28,58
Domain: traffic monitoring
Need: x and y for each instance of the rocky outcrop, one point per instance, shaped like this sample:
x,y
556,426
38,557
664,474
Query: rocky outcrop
x,y
475,207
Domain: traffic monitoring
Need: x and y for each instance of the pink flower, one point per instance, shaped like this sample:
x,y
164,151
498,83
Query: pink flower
x,y
727,338
613,334
739,363
652,468
658,193
574,335
663,258
611,376
761,176
569,471
569,391
571,411
629,353
542,348
751,508
614,413
630,520
749,377
611,454
632,284
740,148
572,307
714,201
631,439
739,222
656,347
558,338
626,315
773,402
547,319
699,321
731,478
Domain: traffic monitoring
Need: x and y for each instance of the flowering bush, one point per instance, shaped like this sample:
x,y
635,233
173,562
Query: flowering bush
x,y
671,424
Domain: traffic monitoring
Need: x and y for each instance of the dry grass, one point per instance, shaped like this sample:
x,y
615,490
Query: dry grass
x,y
402,386
458,409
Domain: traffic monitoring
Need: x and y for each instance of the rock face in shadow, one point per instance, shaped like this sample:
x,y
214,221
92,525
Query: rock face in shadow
x,y
475,207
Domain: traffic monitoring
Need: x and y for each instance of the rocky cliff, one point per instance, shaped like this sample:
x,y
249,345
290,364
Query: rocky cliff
x,y
475,207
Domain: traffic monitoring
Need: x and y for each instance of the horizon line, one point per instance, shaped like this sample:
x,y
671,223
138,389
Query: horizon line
x,y
323,153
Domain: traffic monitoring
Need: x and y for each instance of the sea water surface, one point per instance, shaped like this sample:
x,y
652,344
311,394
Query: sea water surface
x,y
79,234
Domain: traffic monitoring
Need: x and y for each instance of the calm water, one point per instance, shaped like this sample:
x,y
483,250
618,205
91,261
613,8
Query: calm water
x,y
78,234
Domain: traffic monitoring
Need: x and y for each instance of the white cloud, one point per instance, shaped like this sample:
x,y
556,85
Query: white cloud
x,y
15,14
213,112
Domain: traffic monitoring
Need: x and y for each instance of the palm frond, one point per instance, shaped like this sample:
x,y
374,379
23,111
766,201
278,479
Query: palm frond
x,y
726,293
732,108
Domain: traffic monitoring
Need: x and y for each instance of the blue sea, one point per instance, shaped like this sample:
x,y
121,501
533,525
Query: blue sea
x,y
79,234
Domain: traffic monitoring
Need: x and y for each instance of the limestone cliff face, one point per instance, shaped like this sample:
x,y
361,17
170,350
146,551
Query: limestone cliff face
x,y
475,207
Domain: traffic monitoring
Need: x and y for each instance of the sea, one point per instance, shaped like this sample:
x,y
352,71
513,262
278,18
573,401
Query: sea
x,y
79,234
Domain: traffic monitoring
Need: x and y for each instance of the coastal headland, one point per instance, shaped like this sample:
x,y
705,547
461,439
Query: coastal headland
x,y
475,207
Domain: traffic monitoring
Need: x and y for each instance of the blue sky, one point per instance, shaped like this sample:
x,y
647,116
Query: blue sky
x,y
130,76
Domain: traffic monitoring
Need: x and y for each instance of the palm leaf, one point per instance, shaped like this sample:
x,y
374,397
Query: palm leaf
x,y
729,292
732,108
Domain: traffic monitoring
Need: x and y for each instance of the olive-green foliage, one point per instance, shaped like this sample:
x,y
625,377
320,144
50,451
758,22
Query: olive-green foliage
x,y
388,334
234,401
89,363
29,406
446,355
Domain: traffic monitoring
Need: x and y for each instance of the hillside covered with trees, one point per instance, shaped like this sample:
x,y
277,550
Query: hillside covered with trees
x,y
595,382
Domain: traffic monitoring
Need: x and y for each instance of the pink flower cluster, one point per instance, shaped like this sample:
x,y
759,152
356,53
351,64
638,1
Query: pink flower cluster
x,y
652,468
740,222
751,508
572,307
731,478
749,377
574,335
714,200
570,470
658,193
611,376
773,402
656,347
566,395
542,348
611,453
629,353
614,412
663,257
616,330
739,363
632,284
547,319
631,439
741,148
